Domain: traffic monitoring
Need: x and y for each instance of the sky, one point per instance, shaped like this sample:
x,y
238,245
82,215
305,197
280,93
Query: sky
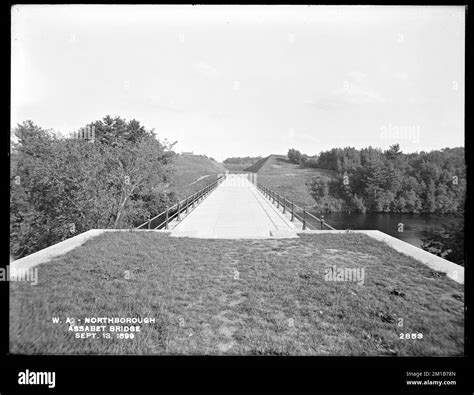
x,y
246,80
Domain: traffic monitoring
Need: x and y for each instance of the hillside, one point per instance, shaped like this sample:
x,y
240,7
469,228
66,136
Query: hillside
x,y
286,178
237,167
255,168
239,164
194,172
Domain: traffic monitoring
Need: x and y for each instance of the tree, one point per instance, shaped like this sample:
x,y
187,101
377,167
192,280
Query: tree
x,y
312,161
357,204
117,131
140,168
64,186
320,190
430,198
294,156
393,152
432,182
443,200
303,159
447,242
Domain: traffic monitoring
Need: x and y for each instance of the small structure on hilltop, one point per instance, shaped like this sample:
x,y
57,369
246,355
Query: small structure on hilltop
x,y
87,133
187,153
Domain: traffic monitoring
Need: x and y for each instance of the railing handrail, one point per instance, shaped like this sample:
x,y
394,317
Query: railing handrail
x,y
283,201
271,196
191,199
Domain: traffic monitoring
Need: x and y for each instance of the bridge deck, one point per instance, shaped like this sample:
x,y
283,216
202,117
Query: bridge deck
x,y
235,209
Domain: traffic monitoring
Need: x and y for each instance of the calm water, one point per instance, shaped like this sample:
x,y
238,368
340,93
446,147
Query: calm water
x,y
414,225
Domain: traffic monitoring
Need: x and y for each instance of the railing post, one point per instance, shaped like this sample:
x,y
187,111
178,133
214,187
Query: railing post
x,y
187,204
284,204
179,210
322,221
278,200
166,219
292,211
304,218
273,196
149,222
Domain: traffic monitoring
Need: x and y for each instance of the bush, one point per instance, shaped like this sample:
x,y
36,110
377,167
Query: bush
x,y
62,186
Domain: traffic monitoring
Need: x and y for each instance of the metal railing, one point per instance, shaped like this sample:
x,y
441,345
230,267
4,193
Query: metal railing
x,y
182,206
300,213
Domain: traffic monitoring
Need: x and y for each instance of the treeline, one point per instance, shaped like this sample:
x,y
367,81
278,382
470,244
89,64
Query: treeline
x,y
62,186
242,160
207,157
297,157
388,181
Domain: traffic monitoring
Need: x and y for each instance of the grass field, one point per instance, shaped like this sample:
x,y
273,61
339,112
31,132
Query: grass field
x,y
193,172
251,297
237,167
287,178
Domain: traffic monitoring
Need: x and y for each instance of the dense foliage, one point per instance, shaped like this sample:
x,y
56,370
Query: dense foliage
x,y
446,242
389,181
60,186
297,157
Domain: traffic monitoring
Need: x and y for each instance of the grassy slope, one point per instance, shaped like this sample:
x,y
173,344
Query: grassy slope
x,y
255,168
237,167
287,178
189,168
239,297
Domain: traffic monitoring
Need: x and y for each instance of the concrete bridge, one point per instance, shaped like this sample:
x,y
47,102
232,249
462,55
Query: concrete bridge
x,y
236,209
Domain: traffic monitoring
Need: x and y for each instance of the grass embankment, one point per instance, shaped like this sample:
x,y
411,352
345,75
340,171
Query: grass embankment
x,y
288,179
237,167
193,172
253,297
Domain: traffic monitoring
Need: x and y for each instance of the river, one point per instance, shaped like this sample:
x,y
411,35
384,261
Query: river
x,y
414,225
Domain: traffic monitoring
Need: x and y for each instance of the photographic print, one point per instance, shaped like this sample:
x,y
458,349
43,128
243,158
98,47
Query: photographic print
x,y
237,181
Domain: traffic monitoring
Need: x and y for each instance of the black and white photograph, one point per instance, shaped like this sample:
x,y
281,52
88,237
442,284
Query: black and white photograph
x,y
238,180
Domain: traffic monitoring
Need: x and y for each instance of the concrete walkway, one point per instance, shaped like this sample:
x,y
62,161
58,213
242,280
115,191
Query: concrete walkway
x,y
235,209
